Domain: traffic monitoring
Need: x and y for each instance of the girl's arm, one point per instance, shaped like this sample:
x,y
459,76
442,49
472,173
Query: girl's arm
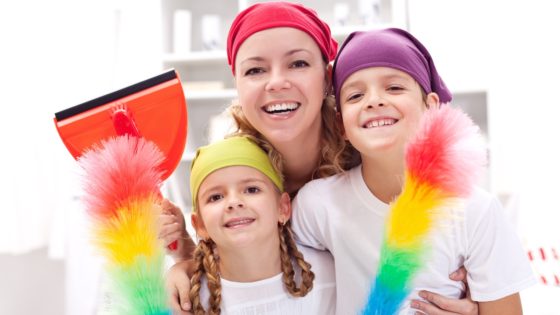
x,y
178,286
509,305
172,228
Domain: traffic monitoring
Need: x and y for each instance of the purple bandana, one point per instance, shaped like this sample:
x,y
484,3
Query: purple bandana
x,y
393,48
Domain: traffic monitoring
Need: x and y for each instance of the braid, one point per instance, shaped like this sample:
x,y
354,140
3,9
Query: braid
x,y
288,250
213,278
205,263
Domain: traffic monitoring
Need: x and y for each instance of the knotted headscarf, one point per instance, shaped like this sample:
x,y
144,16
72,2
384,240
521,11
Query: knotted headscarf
x,y
393,48
263,16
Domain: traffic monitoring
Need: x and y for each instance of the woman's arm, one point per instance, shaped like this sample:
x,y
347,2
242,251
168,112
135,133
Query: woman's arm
x,y
441,305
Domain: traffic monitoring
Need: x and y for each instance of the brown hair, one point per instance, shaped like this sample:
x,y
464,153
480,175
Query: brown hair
x,y
336,156
206,263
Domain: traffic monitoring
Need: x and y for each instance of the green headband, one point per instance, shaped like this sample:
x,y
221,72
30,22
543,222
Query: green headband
x,y
235,151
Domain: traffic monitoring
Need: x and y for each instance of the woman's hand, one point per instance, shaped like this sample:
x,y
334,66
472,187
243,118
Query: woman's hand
x,y
178,286
441,305
172,228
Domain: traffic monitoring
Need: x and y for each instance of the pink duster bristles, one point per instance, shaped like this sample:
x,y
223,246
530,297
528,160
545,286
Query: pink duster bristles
x,y
443,162
122,181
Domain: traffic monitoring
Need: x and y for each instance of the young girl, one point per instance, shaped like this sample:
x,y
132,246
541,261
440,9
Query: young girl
x,y
384,81
279,53
246,261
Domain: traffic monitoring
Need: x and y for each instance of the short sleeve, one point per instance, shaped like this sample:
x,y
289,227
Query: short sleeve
x,y
308,221
496,262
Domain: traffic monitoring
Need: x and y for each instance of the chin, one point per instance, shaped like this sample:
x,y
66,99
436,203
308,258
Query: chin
x,y
281,136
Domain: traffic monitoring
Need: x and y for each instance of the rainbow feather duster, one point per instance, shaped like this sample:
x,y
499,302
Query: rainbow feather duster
x,y
443,162
122,182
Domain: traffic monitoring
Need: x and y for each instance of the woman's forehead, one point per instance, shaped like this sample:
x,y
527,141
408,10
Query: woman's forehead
x,y
279,40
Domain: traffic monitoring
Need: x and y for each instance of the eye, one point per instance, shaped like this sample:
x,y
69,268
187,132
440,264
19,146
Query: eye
x,y
299,64
395,88
252,190
253,71
214,198
354,97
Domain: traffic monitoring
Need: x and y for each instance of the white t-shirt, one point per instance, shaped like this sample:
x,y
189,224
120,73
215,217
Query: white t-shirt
x,y
340,214
269,296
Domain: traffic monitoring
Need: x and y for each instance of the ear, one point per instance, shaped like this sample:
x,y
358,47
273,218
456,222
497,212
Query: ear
x,y
432,100
198,225
285,208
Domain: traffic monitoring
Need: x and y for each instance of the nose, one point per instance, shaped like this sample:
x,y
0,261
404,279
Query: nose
x,y
234,202
375,101
277,81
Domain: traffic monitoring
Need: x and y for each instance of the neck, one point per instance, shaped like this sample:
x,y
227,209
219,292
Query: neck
x,y
301,157
384,174
250,264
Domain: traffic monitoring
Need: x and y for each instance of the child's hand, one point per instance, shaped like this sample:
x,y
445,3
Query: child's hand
x,y
441,305
178,286
172,228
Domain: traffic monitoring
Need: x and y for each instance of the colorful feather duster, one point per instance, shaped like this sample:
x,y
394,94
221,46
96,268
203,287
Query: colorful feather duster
x,y
443,162
122,182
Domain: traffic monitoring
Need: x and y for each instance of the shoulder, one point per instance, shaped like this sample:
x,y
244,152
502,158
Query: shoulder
x,y
481,204
322,264
481,198
326,186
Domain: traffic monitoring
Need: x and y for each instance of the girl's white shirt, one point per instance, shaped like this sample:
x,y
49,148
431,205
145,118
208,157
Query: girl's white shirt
x,y
269,296
341,215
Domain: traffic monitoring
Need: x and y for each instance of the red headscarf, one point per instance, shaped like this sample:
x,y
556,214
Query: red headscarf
x,y
262,16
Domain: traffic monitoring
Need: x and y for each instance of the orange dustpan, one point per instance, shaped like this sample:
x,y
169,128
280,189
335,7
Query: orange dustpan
x,y
154,109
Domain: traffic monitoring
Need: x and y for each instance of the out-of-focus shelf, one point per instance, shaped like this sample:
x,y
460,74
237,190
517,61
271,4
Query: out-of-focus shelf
x,y
196,57
340,32
225,94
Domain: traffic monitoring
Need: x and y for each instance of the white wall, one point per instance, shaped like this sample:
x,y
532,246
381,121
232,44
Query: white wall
x,y
31,284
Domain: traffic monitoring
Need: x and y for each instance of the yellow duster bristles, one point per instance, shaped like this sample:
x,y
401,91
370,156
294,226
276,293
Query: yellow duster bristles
x,y
132,232
413,213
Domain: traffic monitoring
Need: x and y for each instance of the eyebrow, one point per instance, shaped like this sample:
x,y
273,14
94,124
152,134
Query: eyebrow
x,y
287,54
384,77
244,181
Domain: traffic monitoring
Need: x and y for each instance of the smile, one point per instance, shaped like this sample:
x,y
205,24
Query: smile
x,y
238,222
380,123
281,108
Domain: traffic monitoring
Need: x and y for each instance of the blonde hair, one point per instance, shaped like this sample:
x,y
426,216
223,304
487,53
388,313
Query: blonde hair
x,y
336,155
206,264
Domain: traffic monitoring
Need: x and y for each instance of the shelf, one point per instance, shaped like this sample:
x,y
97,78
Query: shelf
x,y
197,57
226,94
340,32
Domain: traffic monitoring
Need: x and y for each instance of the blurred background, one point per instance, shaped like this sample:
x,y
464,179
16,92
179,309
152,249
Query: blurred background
x,y
500,58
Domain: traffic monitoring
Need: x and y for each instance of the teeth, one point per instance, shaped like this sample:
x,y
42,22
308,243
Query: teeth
x,y
239,222
380,123
281,107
